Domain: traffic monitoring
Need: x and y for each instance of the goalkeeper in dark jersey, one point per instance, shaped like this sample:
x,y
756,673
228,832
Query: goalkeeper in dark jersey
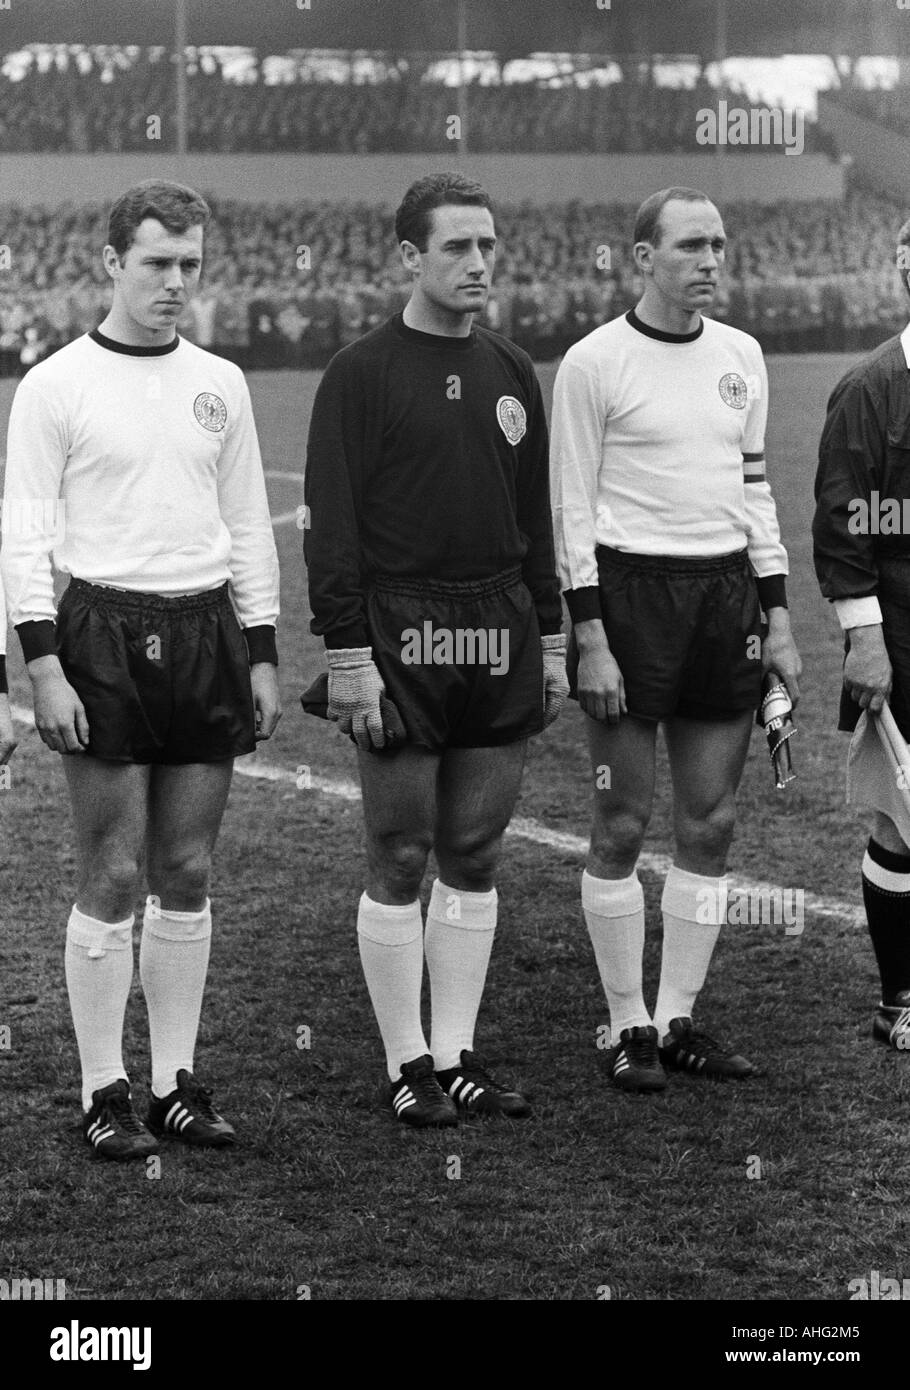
x,y
433,582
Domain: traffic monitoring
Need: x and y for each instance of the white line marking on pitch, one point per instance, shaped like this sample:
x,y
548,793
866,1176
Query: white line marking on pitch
x,y
523,828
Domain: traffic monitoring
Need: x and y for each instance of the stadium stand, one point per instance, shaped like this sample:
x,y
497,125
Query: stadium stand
x,y
801,276
105,108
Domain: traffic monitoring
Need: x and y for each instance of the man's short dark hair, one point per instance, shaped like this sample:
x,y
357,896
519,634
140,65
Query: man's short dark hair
x,y
903,254
647,219
413,219
174,205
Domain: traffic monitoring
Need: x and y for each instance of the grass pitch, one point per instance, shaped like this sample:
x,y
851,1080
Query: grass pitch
x,y
787,1186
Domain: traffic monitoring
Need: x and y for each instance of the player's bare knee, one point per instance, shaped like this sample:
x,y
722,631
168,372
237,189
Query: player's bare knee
x,y
617,834
469,860
114,882
399,863
708,835
182,876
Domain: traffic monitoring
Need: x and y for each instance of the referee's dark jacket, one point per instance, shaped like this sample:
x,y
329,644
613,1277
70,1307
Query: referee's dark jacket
x,y
863,471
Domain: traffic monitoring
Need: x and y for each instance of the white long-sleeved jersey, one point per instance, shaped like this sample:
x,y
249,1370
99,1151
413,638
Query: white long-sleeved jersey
x,y
137,468
658,448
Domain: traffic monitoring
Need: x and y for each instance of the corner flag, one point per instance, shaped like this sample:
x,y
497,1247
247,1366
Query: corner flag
x,y
878,769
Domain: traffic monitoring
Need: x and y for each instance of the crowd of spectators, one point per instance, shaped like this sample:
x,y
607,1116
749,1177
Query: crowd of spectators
x,y
65,109
287,285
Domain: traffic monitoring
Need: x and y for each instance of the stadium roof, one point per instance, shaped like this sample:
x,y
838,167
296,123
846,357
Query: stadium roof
x,y
510,28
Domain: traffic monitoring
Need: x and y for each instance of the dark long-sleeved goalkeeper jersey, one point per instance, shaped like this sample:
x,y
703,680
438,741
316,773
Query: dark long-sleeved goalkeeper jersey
x,y
427,457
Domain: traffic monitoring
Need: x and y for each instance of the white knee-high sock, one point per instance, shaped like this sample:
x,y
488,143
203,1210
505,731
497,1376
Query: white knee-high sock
x,y
390,939
694,909
457,945
99,972
173,963
614,910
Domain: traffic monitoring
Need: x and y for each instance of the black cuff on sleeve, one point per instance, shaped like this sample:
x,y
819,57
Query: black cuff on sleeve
x,y
261,644
584,604
4,683
37,638
772,591
354,636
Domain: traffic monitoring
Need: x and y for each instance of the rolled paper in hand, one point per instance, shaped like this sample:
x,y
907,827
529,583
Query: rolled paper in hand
x,y
777,719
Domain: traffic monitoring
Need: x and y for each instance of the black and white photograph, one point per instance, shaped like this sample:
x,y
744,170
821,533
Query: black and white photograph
x,y
455,672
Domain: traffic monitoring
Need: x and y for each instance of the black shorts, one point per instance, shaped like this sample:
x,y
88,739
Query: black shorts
x,y
461,661
894,601
163,680
680,630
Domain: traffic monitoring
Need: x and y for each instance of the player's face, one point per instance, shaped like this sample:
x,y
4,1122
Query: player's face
x,y
157,276
456,269
684,268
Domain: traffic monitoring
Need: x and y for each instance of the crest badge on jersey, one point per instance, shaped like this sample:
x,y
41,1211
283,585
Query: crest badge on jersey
x,y
733,390
210,411
512,418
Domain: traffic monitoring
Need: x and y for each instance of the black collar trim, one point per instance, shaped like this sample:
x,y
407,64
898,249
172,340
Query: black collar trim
x,y
658,333
128,349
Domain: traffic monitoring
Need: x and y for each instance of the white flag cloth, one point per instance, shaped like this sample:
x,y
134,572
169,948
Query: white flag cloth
x,y
878,769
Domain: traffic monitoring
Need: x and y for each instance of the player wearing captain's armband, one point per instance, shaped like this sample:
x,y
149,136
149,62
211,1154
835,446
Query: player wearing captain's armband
x,y
158,668
668,547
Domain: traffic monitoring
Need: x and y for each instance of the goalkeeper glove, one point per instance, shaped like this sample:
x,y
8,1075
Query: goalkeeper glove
x,y
355,689
555,680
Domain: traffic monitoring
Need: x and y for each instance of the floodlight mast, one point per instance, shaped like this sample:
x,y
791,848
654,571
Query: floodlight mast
x,y
720,54
180,72
462,41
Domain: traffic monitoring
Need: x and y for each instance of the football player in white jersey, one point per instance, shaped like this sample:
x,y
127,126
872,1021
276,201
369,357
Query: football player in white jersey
x,y
159,667
668,546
